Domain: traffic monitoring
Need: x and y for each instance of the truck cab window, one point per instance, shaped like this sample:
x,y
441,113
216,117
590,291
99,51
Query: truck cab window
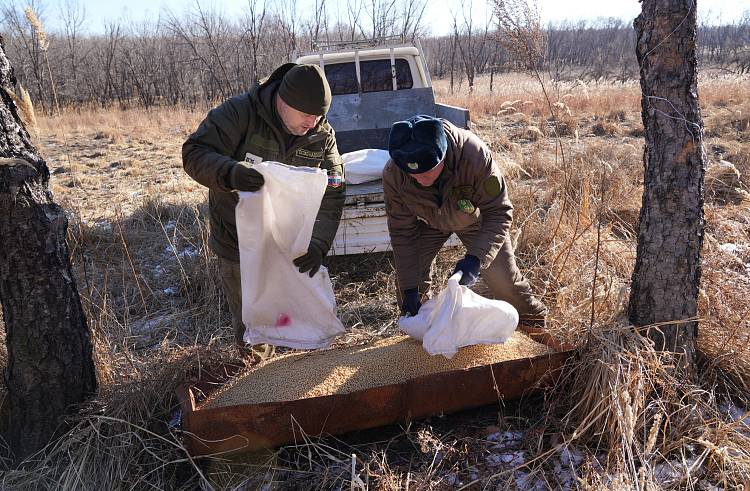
x,y
375,74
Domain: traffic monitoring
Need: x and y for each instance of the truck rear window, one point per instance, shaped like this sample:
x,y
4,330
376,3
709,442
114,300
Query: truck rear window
x,y
375,74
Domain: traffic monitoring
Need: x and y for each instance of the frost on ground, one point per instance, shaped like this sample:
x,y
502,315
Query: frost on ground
x,y
506,453
736,414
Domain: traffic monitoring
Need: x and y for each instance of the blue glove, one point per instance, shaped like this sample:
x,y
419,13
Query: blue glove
x,y
411,303
469,266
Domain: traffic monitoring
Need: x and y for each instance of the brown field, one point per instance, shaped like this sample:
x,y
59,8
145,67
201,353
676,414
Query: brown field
x,y
149,285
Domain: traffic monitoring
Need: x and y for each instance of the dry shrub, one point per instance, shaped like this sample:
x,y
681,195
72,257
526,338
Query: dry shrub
x,y
725,281
723,183
532,133
565,124
617,115
637,131
125,440
25,108
110,136
729,122
604,128
509,167
627,400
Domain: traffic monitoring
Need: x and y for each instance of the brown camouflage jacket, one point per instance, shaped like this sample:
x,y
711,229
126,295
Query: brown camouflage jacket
x,y
469,194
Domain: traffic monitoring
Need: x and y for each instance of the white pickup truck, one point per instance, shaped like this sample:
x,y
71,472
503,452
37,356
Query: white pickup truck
x,y
374,84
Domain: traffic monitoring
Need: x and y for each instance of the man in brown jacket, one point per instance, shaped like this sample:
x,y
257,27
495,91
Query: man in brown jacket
x,y
283,120
441,179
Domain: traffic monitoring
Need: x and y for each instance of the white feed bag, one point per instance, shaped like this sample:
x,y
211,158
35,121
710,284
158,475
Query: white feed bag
x,y
280,305
364,165
459,317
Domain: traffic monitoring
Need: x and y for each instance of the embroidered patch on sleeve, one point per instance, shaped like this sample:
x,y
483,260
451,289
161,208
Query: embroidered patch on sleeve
x,y
335,180
492,186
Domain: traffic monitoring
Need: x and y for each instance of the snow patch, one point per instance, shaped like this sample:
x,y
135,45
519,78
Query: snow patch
x,y
737,414
172,291
189,251
731,248
529,482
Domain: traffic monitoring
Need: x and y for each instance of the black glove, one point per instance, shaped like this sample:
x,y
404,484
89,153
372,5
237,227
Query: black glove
x,y
244,178
311,261
411,303
469,266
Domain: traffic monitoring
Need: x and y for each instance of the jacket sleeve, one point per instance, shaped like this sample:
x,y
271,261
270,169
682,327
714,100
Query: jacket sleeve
x,y
329,215
403,228
493,203
207,153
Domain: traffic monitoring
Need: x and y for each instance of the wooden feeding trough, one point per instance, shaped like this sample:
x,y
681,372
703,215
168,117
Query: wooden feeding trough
x,y
233,409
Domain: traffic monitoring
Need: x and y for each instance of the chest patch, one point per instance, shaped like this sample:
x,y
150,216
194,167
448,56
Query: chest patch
x,y
465,206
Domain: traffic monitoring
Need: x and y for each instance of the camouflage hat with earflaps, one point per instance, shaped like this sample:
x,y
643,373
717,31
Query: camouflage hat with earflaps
x,y
418,144
305,88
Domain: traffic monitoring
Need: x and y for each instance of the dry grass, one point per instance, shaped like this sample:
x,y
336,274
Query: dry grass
x,y
148,282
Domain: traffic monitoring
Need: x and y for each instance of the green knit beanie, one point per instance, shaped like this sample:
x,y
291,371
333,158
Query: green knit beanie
x,y
305,88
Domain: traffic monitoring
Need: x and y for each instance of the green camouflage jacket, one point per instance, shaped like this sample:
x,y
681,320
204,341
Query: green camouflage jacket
x,y
246,127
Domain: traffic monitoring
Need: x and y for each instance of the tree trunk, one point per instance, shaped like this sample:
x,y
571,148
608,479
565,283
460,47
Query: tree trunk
x,y
50,366
670,235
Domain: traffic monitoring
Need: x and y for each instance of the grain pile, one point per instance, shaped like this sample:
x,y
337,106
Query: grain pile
x,y
340,371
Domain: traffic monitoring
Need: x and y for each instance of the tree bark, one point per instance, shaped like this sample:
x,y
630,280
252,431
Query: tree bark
x,y
50,366
667,271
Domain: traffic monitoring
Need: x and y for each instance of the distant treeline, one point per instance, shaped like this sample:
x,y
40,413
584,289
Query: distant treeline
x,y
201,56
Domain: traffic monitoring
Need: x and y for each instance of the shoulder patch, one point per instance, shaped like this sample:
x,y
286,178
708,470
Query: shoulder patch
x,y
335,180
492,186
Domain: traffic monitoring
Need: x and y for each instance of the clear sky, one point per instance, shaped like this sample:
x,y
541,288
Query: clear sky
x,y
437,15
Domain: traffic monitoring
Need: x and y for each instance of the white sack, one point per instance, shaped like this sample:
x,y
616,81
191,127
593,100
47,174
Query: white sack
x,y
364,165
280,305
459,317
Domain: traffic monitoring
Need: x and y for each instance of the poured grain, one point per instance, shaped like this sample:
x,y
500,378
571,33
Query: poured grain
x,y
344,370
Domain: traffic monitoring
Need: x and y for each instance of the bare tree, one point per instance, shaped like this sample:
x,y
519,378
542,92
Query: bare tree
x,y
412,12
73,15
254,31
354,12
667,272
206,33
27,39
471,43
288,25
318,24
50,365
454,45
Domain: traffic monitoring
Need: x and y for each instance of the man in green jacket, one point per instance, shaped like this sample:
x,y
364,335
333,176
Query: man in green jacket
x,y
282,120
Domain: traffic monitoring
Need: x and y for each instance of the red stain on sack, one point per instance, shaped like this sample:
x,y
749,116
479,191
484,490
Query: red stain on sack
x,y
283,320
